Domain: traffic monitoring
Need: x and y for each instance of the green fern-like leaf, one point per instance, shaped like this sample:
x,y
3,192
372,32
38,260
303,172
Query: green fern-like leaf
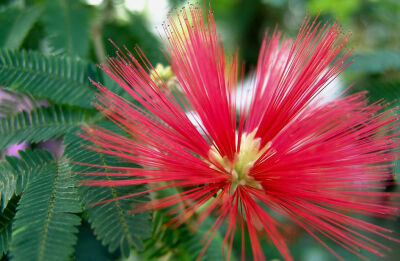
x,y
7,184
40,124
45,224
185,242
67,26
15,24
112,222
15,173
5,224
12,101
60,79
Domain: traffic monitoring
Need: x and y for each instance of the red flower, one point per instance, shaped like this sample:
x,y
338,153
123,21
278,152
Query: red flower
x,y
310,162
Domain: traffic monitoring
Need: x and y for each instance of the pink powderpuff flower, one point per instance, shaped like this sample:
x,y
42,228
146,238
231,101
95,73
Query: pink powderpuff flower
x,y
313,163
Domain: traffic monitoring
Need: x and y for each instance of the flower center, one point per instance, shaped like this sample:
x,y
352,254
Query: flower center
x,y
250,151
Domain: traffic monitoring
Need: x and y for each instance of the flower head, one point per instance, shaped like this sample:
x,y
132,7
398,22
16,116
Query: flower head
x,y
311,162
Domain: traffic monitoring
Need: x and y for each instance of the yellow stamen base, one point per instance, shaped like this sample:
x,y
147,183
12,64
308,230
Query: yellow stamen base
x,y
239,168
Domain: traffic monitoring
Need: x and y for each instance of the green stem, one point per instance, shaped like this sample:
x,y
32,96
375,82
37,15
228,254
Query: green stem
x,y
97,28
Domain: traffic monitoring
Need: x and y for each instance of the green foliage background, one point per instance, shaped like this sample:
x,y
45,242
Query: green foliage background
x,y
48,51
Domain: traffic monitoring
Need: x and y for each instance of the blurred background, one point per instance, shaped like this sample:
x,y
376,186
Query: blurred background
x,y
82,28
